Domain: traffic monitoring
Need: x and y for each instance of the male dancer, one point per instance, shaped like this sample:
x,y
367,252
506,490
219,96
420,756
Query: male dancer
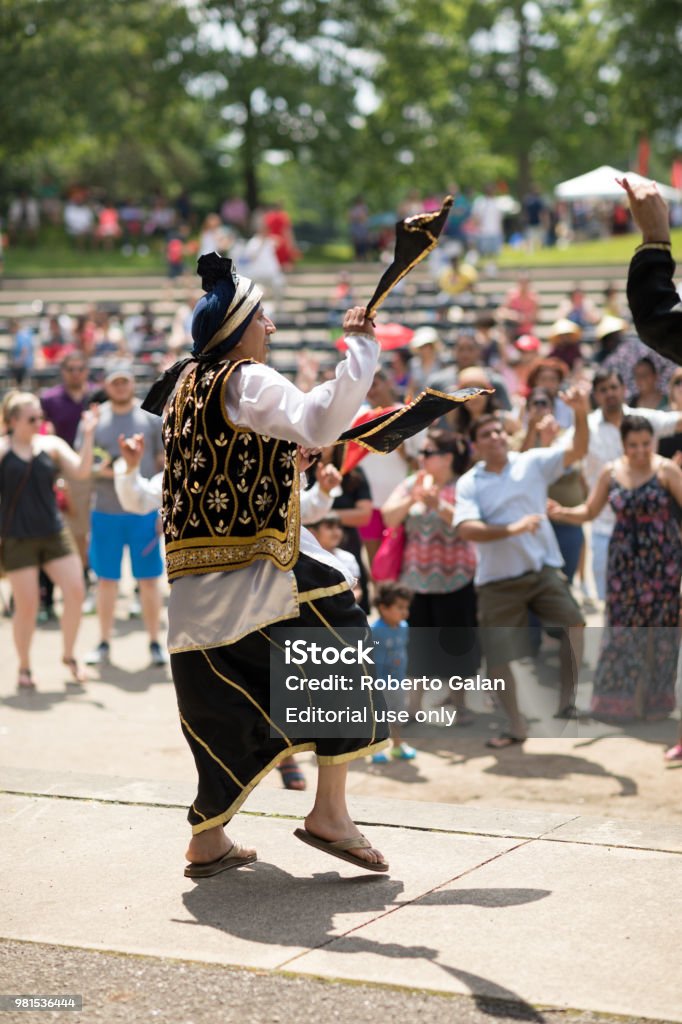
x,y
238,561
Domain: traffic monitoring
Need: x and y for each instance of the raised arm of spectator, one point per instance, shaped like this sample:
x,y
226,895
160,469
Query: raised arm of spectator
x,y
578,399
77,465
652,296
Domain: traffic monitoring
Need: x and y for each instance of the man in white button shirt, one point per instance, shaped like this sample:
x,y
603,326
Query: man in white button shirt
x,y
501,506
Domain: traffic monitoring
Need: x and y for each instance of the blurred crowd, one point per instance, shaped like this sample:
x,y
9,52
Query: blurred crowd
x,y
475,527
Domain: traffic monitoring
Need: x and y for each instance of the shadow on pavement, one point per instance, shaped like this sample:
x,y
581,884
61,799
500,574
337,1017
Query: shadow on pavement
x,y
300,913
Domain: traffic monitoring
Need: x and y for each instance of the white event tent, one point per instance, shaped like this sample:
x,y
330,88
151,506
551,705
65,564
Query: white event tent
x,y
601,184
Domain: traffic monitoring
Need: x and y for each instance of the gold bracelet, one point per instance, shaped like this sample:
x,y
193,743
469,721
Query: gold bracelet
x,y
663,246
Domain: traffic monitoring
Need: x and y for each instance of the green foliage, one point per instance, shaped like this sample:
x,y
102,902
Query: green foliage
x,y
92,90
314,102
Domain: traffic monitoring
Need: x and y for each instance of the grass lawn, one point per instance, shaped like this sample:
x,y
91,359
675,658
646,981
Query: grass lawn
x,y
617,250
58,259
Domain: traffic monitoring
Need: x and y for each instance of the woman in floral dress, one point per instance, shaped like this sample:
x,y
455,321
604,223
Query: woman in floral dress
x,y
635,676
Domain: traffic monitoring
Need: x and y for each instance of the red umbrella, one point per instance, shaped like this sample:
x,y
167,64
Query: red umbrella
x,y
389,336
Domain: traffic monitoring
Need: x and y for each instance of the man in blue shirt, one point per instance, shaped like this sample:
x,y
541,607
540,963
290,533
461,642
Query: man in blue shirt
x,y
22,353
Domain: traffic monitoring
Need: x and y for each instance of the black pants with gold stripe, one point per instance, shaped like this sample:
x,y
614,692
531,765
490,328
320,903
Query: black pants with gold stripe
x,y
223,699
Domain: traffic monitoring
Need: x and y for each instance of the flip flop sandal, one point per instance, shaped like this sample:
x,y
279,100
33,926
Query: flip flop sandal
x,y
291,774
341,847
25,680
674,753
80,676
235,857
504,740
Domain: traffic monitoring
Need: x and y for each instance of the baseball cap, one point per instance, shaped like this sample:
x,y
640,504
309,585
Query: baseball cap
x,y
424,336
116,371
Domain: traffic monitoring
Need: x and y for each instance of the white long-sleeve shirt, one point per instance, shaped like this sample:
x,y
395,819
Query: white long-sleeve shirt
x,y
217,608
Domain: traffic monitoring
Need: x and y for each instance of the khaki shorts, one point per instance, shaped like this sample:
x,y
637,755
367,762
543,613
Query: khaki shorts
x,y
78,495
29,552
503,608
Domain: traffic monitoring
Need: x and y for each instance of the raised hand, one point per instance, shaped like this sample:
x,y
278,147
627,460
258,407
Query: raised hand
x,y
328,477
306,457
90,419
131,449
355,322
649,209
578,397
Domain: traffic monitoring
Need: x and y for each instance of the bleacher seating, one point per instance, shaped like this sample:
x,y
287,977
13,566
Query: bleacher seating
x,y
306,318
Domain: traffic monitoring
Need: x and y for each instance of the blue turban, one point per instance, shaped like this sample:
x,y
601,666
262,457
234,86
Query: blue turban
x,y
222,315
219,320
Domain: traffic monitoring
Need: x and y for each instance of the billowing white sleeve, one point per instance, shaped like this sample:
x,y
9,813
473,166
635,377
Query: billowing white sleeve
x,y
315,503
261,399
136,493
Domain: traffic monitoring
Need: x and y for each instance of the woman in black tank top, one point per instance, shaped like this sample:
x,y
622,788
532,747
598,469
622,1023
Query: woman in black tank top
x,y
31,527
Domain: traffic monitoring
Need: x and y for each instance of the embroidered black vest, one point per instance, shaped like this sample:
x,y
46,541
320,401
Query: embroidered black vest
x,y
230,496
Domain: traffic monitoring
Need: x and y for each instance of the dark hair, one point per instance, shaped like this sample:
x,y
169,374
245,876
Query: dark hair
x,y
463,415
647,361
404,355
330,519
632,424
489,417
448,441
388,593
557,366
74,356
601,376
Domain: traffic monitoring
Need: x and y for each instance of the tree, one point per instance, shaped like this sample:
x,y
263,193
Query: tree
x,y
94,87
482,89
280,78
647,71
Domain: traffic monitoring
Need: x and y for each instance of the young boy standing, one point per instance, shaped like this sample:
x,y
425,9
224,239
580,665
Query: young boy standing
x,y
390,657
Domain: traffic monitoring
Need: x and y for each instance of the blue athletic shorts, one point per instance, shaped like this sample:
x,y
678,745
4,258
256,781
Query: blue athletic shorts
x,y
110,533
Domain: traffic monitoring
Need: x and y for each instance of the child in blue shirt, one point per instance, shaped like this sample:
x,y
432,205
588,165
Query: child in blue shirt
x,y
390,658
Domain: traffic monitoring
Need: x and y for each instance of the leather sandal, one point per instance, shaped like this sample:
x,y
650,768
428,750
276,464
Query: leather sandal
x,y
236,857
25,680
341,848
80,676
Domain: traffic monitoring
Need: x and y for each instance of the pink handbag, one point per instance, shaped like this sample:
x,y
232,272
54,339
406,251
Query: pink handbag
x,y
388,561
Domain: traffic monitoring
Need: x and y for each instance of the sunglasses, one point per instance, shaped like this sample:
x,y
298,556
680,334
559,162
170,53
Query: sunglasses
x,y
429,451
542,403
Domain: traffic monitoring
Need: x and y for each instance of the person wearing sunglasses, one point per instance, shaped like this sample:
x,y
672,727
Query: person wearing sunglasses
x,y
31,526
437,567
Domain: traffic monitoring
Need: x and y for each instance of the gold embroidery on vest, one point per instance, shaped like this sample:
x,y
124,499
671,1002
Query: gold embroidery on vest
x,y
230,495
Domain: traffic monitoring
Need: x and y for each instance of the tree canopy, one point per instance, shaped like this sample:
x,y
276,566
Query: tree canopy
x,y
322,101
